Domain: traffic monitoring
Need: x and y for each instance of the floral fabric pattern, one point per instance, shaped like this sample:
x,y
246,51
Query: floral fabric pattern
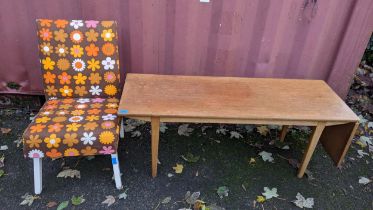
x,y
73,127
76,55
80,68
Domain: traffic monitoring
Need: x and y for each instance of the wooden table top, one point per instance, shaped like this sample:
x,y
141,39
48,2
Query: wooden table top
x,y
147,95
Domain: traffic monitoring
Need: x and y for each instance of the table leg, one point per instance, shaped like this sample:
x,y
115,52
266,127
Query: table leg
x,y
155,142
284,130
311,148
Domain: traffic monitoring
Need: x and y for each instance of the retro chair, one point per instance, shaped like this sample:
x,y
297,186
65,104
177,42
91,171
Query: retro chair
x,y
80,68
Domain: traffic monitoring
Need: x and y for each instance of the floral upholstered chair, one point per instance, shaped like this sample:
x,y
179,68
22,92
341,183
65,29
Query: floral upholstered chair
x,y
80,68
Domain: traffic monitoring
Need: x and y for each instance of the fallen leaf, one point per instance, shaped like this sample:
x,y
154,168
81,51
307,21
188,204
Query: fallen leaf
x,y
110,200
364,180
178,168
91,157
51,204
166,200
2,159
252,161
260,199
286,147
189,157
192,198
162,127
184,130
3,147
205,127
270,193
136,134
63,205
263,130
222,191
361,153
170,175
266,156
364,141
2,172
123,195
235,134
221,130
249,128
69,173
28,199
77,200
302,202
5,130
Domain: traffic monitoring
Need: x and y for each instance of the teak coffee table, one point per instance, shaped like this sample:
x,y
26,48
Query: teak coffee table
x,y
205,99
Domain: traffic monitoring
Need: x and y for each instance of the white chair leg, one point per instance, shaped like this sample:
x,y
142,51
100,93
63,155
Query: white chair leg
x,y
117,178
121,132
37,175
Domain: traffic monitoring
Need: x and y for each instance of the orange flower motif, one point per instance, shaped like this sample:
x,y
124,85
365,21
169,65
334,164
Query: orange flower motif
x,y
67,100
49,77
60,35
34,141
64,78
45,22
45,34
80,79
48,64
37,128
66,91
96,105
73,127
94,111
107,125
95,78
65,106
89,151
92,50
80,90
54,154
77,112
91,35
61,23
70,139
92,118
52,102
71,152
108,49
107,23
106,137
51,91
55,127
63,64
76,36
90,126
43,119
109,77
110,90
59,119
52,141
111,111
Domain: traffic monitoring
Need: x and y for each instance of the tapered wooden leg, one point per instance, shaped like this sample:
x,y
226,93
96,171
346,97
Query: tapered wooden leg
x,y
38,177
283,132
155,143
311,148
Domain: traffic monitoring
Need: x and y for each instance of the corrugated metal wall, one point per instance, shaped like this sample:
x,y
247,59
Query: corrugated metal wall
x,y
251,38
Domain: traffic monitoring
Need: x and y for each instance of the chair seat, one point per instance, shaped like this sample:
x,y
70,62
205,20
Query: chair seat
x,y
73,127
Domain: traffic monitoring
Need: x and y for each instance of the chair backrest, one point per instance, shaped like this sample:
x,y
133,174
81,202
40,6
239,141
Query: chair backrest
x,y
79,58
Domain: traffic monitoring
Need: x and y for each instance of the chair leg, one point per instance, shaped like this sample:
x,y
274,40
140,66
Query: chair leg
x,y
37,175
121,132
115,162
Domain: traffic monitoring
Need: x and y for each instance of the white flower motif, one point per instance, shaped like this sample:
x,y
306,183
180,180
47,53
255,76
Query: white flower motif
x,y
35,153
76,23
78,65
88,138
108,63
46,113
95,90
83,100
109,117
52,98
76,119
46,49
